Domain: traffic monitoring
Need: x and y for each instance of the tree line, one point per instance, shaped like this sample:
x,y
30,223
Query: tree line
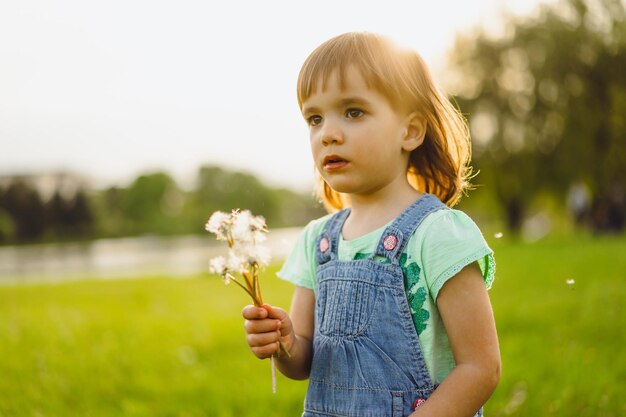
x,y
546,102
153,204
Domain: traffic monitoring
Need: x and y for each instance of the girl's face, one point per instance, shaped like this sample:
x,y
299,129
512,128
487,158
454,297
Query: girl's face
x,y
358,141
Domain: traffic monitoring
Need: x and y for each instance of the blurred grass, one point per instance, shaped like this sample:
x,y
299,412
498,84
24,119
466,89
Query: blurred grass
x,y
165,347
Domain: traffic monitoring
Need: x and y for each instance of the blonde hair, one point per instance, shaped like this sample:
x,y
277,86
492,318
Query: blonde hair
x,y
441,164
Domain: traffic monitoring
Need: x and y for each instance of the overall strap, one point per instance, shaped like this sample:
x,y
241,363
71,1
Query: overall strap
x,y
328,241
396,236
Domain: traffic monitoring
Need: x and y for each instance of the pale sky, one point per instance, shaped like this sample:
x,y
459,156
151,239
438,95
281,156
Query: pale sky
x,y
111,89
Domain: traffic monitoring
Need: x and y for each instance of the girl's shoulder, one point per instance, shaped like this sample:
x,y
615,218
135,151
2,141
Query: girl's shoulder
x,y
448,223
299,266
313,229
445,242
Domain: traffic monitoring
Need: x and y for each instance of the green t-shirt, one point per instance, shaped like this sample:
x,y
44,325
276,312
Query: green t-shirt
x,y
444,243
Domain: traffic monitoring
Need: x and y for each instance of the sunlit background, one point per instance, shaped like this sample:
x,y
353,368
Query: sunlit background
x,y
110,89
124,124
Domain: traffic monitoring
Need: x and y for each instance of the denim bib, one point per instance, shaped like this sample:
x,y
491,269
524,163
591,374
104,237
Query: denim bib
x,y
367,360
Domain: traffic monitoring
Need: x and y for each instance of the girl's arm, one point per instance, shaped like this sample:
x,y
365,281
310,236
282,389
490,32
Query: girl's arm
x,y
467,315
264,326
298,366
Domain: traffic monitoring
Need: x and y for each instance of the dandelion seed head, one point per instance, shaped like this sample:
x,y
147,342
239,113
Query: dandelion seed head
x,y
258,224
248,228
498,235
219,223
252,253
218,266
259,236
236,262
246,255
242,226
260,255
570,282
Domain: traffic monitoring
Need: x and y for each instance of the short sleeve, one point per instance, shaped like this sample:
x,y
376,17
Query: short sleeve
x,y
450,240
300,266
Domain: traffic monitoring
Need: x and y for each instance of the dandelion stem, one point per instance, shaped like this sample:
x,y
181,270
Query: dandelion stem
x,y
273,374
255,280
249,283
284,349
254,298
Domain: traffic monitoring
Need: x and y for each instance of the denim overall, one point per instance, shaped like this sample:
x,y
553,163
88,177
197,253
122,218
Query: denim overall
x,y
367,360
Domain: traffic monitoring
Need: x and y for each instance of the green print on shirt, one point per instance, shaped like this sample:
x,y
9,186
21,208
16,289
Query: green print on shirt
x,y
415,293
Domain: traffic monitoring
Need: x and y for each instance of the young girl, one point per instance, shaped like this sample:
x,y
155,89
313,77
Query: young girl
x,y
390,315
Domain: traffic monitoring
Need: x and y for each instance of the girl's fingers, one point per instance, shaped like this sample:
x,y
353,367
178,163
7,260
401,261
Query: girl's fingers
x,y
280,314
264,327
261,326
251,312
262,339
264,345
264,352
275,312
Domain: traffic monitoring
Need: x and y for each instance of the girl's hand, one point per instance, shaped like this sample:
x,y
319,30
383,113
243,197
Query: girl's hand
x,y
265,326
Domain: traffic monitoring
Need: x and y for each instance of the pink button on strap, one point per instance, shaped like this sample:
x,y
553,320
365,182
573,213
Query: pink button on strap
x,y
324,245
418,402
390,242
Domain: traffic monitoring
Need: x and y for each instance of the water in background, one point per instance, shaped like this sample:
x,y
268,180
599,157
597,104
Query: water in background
x,y
123,258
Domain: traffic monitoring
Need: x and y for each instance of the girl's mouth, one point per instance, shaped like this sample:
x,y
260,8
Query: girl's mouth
x,y
333,162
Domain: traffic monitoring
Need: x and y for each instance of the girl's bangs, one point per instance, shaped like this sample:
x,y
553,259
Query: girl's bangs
x,y
338,54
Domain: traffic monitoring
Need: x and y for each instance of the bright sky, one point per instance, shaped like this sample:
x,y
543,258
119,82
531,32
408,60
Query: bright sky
x,y
114,88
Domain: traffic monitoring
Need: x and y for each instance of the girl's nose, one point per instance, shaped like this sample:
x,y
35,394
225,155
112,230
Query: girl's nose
x,y
330,133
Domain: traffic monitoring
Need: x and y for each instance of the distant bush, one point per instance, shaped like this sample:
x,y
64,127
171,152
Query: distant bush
x,y
152,204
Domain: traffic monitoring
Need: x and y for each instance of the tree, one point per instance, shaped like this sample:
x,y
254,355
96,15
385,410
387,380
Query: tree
x,y
69,217
546,102
221,189
26,210
149,204
6,222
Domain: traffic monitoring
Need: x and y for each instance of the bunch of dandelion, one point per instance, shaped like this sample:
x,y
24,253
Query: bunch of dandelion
x,y
244,234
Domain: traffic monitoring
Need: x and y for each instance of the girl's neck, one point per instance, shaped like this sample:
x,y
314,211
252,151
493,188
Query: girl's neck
x,y
372,211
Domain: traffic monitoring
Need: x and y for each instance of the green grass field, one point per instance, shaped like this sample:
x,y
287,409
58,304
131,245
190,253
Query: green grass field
x,y
166,347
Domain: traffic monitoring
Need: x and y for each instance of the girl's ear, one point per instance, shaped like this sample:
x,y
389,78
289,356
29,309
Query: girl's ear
x,y
415,132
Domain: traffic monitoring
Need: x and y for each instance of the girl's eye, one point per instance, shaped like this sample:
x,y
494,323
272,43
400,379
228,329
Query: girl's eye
x,y
354,113
314,120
